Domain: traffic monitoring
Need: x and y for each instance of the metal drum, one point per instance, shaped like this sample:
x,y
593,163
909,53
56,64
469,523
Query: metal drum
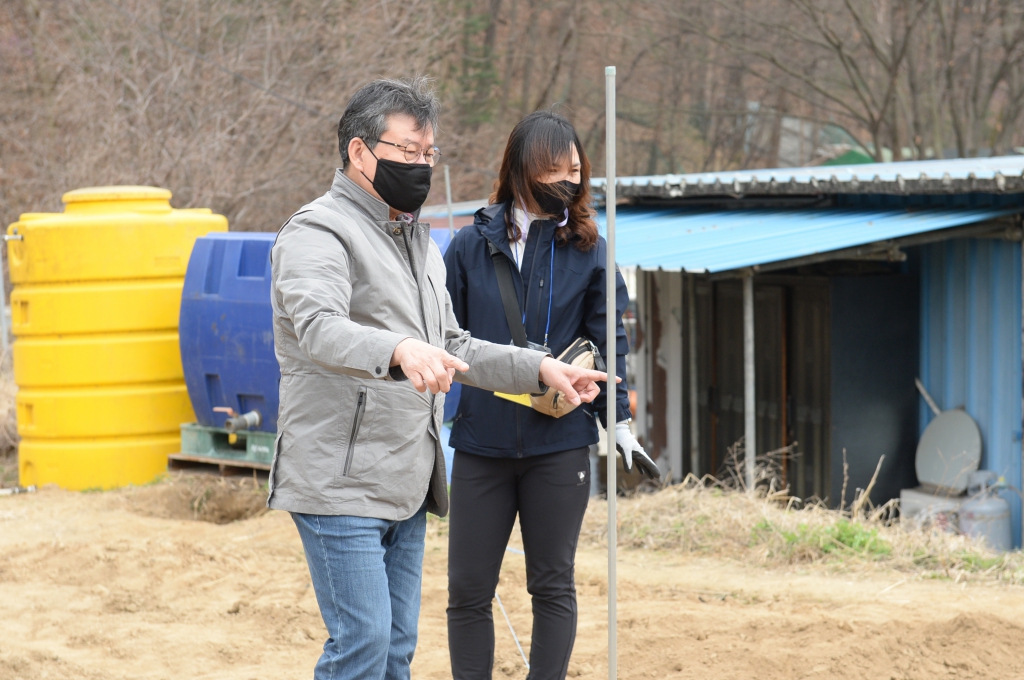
x,y
227,330
986,515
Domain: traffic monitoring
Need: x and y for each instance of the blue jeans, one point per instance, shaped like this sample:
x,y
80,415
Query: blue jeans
x,y
366,574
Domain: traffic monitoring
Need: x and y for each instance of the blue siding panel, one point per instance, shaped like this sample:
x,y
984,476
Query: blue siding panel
x,y
971,346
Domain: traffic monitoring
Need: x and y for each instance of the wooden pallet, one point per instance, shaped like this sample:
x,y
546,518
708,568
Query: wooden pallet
x,y
183,461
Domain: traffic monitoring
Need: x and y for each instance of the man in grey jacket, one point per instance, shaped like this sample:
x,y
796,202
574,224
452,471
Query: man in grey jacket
x,y
368,346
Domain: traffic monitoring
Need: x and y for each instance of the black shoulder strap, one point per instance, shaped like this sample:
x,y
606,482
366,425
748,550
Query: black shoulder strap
x,y
503,270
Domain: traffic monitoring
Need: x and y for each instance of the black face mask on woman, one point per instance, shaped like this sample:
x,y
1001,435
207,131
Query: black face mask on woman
x,y
403,186
554,199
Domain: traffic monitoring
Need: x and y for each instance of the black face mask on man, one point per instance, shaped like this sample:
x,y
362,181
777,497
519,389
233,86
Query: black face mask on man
x,y
554,198
403,186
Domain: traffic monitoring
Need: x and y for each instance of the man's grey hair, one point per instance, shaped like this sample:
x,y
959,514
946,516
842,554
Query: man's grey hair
x,y
366,115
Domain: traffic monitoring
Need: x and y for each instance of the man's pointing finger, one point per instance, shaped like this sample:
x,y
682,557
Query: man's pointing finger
x,y
451,361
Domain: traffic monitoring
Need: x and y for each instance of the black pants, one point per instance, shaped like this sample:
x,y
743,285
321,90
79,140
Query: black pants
x,y
550,494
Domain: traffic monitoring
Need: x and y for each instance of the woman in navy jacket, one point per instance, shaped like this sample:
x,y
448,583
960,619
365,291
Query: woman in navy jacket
x,y
509,458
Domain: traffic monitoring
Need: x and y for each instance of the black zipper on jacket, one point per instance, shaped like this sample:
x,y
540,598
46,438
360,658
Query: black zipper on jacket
x,y
526,305
526,279
440,312
419,293
408,251
527,282
357,420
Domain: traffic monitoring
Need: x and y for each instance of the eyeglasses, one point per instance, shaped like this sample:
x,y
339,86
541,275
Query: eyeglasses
x,y
413,152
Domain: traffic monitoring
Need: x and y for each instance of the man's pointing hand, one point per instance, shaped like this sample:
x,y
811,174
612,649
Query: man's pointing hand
x,y
432,368
579,385
428,367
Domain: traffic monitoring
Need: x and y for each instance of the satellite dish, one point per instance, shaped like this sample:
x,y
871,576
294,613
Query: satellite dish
x,y
949,451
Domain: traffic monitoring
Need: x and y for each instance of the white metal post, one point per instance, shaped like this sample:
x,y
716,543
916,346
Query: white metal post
x,y
672,347
448,198
749,398
692,327
642,355
611,328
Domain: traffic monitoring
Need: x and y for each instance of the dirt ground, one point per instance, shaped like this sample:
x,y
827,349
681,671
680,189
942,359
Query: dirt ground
x,y
96,586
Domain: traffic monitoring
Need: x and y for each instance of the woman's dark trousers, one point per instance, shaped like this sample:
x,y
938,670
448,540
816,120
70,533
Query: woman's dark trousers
x,y
550,494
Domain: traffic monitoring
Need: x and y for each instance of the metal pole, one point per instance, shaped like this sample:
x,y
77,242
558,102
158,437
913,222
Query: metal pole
x,y
749,400
694,413
611,328
526,662
448,198
672,346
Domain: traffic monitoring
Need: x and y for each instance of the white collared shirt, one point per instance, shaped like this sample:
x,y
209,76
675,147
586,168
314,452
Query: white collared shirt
x,y
523,220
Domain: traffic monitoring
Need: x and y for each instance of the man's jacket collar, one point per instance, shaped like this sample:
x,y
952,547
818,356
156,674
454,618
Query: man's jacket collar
x,y
345,188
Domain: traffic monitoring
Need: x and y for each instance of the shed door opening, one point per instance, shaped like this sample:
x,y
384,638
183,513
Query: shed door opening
x,y
792,376
792,372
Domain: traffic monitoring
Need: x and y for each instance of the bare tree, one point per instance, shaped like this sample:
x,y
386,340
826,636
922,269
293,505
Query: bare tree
x,y
981,52
231,105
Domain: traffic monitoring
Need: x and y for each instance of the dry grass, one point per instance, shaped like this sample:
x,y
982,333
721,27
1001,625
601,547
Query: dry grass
x,y
717,518
201,497
704,517
8,470
8,426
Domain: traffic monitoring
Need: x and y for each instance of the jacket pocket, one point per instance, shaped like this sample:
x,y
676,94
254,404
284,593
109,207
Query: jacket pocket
x,y
357,421
439,306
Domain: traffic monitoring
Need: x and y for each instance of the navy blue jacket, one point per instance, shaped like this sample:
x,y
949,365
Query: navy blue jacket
x,y
487,425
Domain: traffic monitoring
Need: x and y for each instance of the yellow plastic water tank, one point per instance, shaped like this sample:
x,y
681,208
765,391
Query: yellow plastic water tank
x,y
97,290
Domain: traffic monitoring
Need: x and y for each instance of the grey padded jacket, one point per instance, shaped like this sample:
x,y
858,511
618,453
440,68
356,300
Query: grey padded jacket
x,y
355,438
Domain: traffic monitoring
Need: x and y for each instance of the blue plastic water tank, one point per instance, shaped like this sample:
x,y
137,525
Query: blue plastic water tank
x,y
226,328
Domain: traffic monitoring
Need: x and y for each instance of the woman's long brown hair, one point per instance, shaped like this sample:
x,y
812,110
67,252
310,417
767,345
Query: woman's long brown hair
x,y
540,143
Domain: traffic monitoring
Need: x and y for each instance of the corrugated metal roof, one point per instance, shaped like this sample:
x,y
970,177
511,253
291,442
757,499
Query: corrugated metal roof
x,y
718,241
999,174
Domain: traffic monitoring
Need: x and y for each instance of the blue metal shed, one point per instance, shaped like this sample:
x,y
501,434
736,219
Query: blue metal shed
x,y
971,345
949,233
